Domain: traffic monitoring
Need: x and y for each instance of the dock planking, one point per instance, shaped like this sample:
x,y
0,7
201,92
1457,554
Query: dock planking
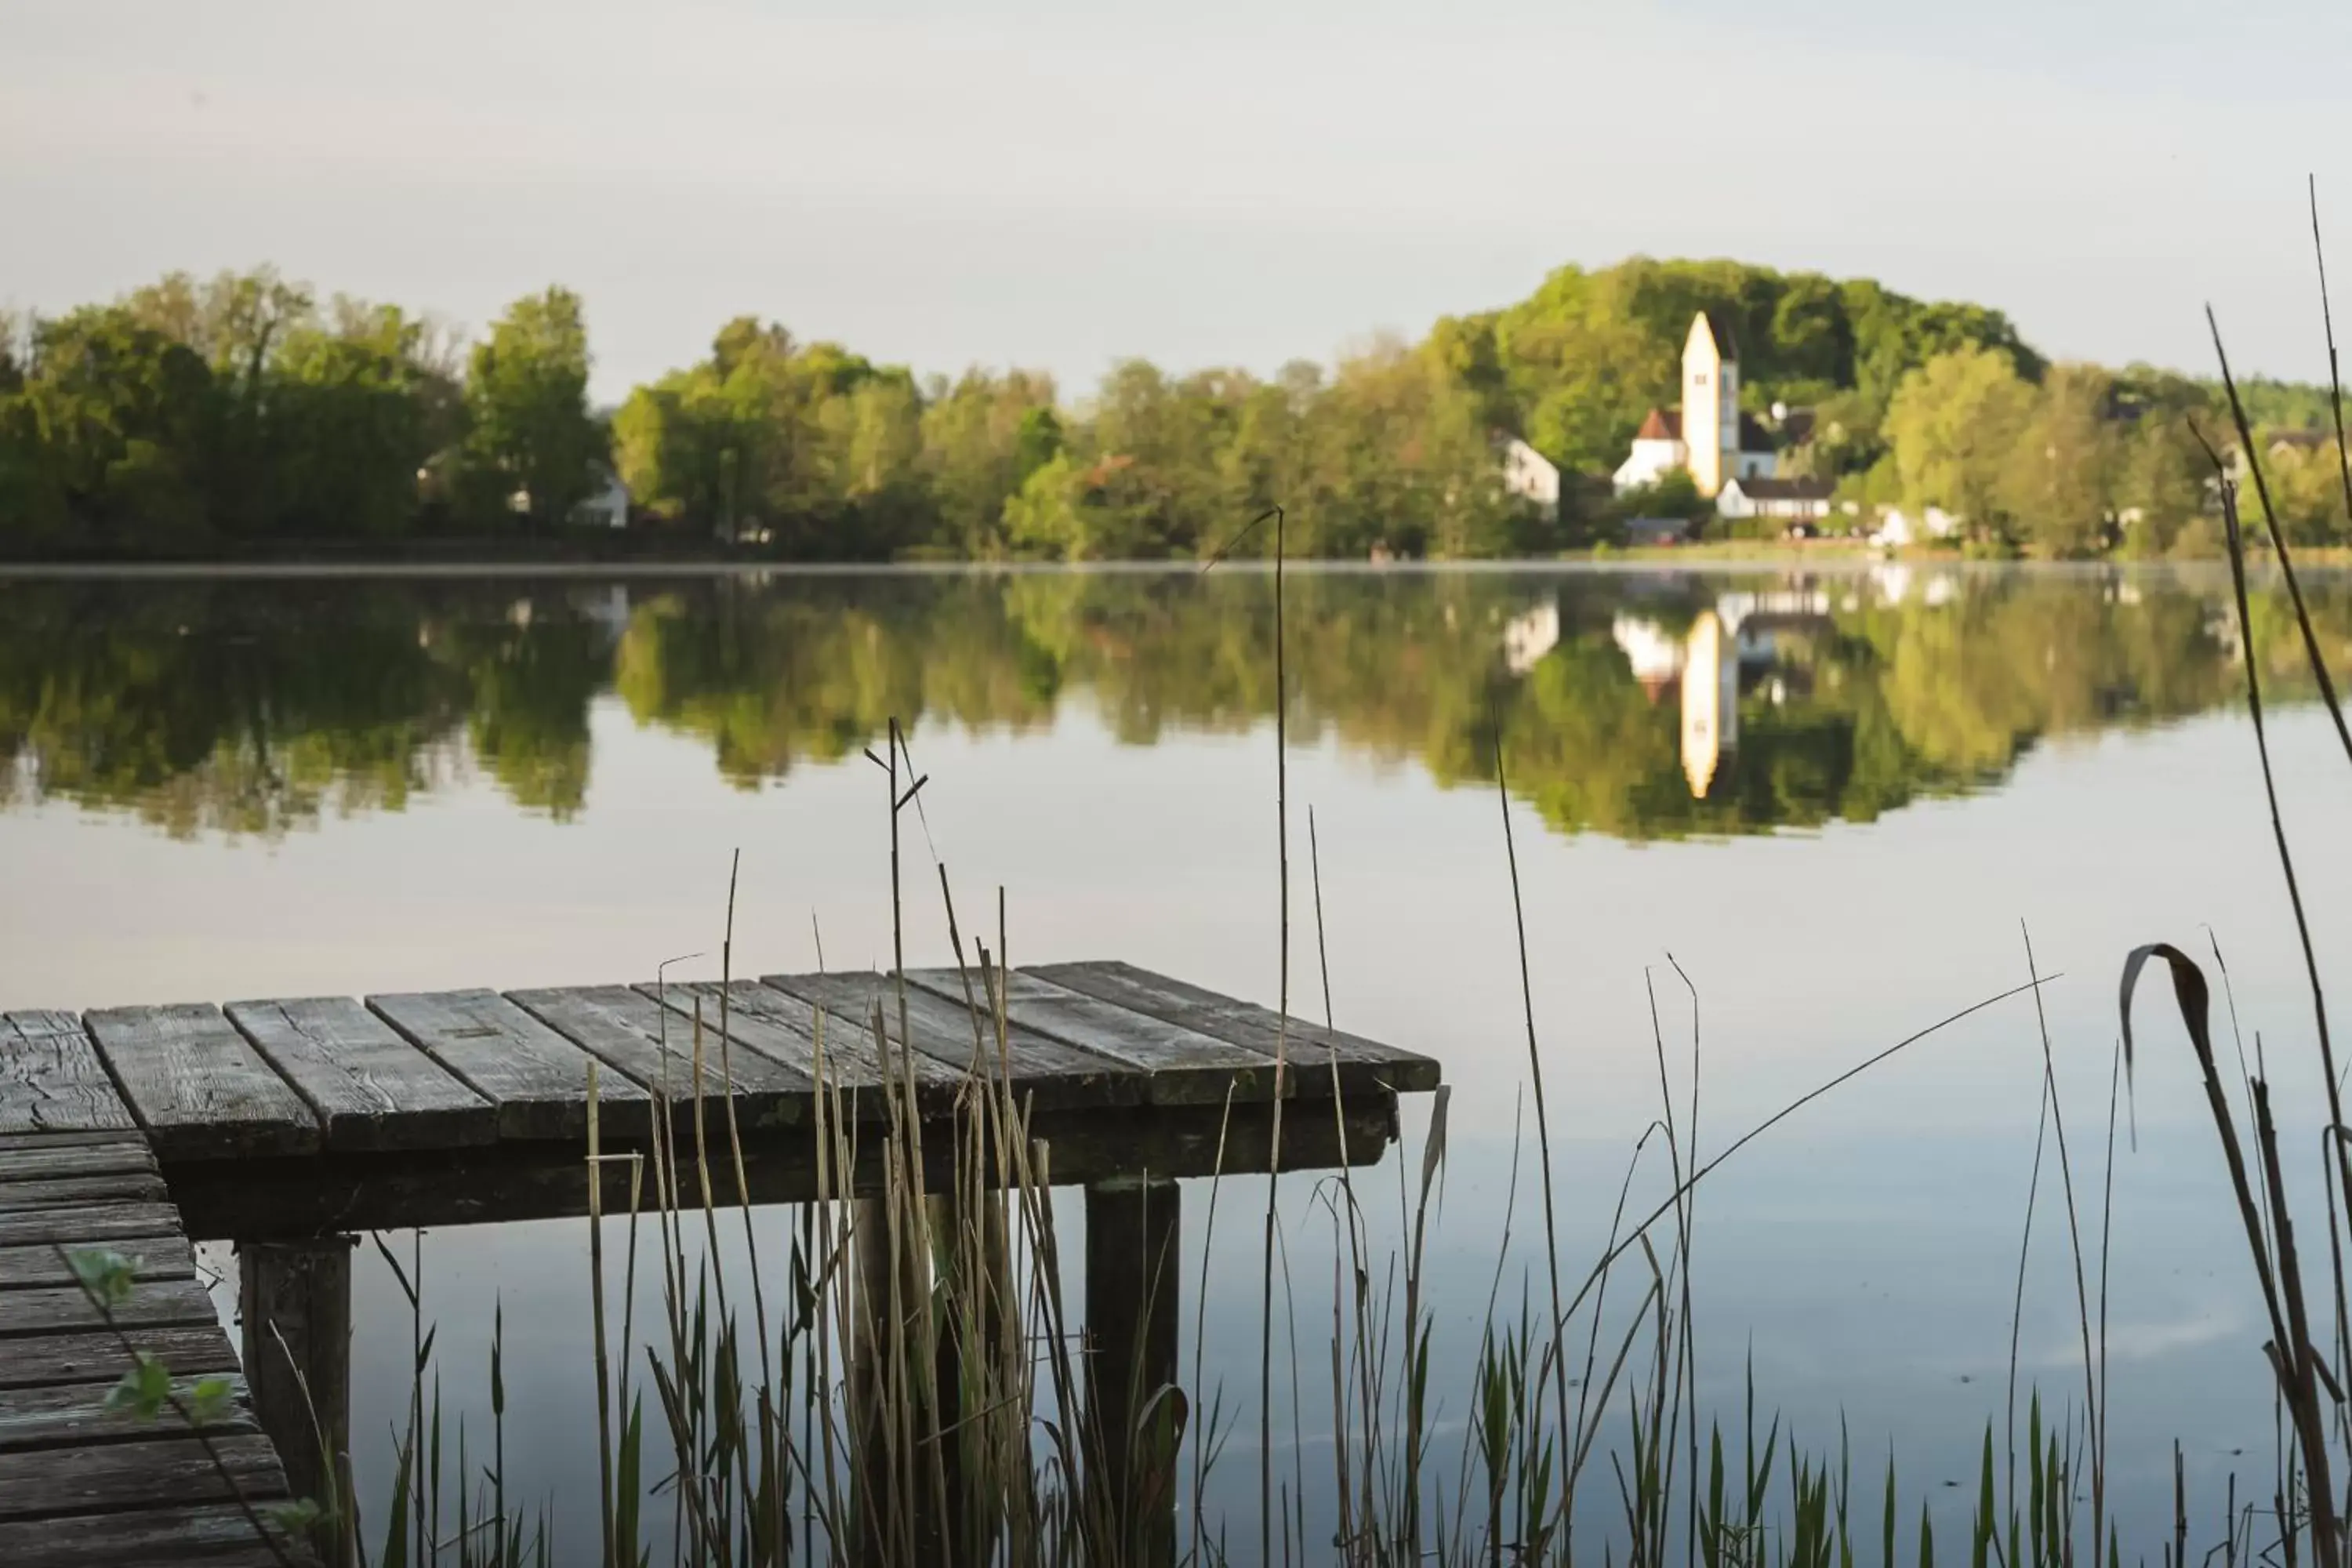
x,y
1047,1073
43,1265
213,1535
786,1027
1183,1066
654,1045
97,1224
74,1192
149,1304
1310,1051
369,1087
45,1159
48,1483
69,1414
536,1078
189,1350
197,1087
51,1079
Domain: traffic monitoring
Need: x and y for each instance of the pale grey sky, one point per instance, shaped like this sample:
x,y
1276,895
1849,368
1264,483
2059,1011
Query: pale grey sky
x,y
1231,181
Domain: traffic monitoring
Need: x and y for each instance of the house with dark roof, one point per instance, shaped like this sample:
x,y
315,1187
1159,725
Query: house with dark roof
x,y
1708,437
1791,500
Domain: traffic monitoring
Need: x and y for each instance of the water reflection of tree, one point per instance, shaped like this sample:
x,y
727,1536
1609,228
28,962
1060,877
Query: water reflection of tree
x,y
255,707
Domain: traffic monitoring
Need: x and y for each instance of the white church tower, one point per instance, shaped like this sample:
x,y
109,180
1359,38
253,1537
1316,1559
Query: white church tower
x,y
1711,401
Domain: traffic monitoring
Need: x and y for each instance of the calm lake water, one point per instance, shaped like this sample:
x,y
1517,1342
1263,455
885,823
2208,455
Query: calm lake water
x,y
1838,801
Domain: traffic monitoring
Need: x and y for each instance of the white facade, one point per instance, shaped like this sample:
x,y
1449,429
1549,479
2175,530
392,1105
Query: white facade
x,y
1528,474
1652,459
1527,636
606,506
1761,496
1899,528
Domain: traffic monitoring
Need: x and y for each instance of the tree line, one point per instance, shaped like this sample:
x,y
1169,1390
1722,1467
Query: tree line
x,y
191,416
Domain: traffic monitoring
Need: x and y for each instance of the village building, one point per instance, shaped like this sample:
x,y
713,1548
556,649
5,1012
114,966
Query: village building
x,y
1786,501
1708,438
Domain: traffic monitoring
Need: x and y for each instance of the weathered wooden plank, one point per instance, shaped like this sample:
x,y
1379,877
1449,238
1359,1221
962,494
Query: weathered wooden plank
x,y
784,1027
215,1535
197,1087
1185,1066
62,1191
525,1181
32,1161
74,1414
44,1483
151,1304
371,1089
51,1080
654,1045
1308,1048
106,1223
1046,1073
536,1078
40,1267
188,1349
16,1142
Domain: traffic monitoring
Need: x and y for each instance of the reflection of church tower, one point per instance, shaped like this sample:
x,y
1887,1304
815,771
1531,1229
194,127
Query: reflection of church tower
x,y
1710,703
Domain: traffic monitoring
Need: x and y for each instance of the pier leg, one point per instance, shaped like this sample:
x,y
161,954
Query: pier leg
x,y
1131,1296
296,1302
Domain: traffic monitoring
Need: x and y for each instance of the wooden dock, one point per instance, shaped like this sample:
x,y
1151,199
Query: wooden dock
x,y
284,1126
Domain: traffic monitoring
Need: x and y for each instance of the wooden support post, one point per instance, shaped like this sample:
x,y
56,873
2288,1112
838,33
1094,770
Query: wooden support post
x,y
295,1298
1131,1295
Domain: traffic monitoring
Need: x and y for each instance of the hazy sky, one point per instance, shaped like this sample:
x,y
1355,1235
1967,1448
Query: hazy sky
x,y
1057,185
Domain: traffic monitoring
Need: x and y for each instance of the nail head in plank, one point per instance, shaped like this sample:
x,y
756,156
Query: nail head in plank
x,y
1308,1047
188,1350
51,1079
1045,1072
779,1025
196,1085
104,1223
153,1303
169,1471
39,1267
74,1414
79,1191
211,1535
125,1154
1185,1066
654,1045
371,1088
536,1078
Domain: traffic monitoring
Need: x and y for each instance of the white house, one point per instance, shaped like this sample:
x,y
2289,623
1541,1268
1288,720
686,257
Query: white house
x,y
1528,474
1708,437
606,506
1898,529
1789,501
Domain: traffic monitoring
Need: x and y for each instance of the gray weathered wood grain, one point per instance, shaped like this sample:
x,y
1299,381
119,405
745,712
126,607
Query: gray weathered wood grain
x,y
1310,1049
61,1192
124,1152
1185,1066
211,1535
197,1087
1047,1073
51,1079
371,1088
536,1078
187,1350
74,1414
151,1304
106,1223
45,1483
654,1045
785,1028
38,1267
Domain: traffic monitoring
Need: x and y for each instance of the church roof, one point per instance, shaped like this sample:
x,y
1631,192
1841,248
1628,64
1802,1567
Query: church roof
x,y
1719,324
1662,424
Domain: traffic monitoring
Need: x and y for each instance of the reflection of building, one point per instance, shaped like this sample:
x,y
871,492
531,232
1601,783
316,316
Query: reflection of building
x,y
1529,636
1710,701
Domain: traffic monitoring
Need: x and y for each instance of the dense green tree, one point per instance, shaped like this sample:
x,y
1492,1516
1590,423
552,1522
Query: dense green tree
x,y
2061,471
534,444
1951,427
